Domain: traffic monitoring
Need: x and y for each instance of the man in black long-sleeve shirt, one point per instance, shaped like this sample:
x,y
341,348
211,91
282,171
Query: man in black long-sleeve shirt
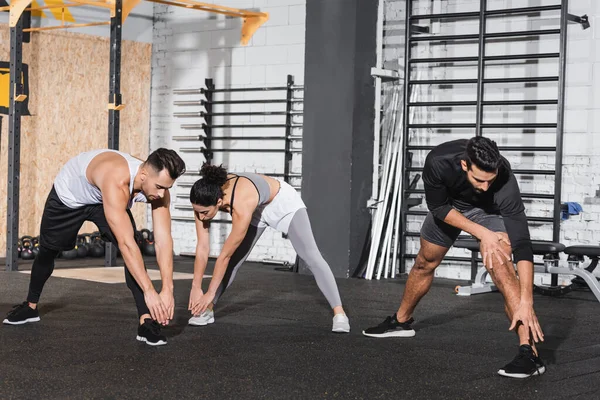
x,y
470,187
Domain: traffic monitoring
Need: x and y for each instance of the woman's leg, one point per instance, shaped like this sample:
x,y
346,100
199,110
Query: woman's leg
x,y
239,256
301,236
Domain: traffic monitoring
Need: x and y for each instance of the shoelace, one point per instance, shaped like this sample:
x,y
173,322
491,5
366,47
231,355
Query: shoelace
x,y
153,327
390,319
387,321
537,368
531,358
18,308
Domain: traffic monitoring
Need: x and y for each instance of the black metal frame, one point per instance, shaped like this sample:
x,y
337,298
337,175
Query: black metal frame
x,y
480,102
115,100
15,113
288,129
208,125
14,146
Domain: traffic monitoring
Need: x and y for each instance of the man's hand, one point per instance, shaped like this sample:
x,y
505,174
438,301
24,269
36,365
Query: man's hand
x,y
202,303
195,296
491,246
166,296
158,311
527,317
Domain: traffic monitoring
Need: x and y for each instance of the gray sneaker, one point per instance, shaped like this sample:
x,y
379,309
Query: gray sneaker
x,y
207,317
341,324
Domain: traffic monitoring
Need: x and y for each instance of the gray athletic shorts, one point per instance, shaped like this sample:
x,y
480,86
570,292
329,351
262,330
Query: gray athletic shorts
x,y
438,232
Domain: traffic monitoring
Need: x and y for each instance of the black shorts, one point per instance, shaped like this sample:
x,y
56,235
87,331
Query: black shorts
x,y
438,232
61,224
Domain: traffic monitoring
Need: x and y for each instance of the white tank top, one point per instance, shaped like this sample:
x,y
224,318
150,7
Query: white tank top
x,y
74,189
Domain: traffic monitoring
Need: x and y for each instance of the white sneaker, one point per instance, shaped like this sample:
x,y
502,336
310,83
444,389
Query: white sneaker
x,y
207,317
341,323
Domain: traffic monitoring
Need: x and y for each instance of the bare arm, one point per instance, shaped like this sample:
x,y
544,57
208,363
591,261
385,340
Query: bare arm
x,y
115,200
241,222
113,181
525,271
461,222
242,216
490,241
163,241
202,251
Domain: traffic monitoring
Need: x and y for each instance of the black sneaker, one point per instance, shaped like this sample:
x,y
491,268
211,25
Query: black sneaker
x,y
21,314
149,332
391,328
524,365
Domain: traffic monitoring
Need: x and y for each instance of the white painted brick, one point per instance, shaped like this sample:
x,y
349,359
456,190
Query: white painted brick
x,y
180,60
297,15
189,41
266,55
278,16
579,73
577,97
285,35
259,38
580,50
279,73
238,56
225,38
576,120
295,53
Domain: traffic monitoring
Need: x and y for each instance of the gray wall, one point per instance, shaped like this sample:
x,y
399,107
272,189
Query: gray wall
x,y
338,126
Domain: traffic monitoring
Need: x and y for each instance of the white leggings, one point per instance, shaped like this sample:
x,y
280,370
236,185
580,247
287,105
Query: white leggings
x,y
301,236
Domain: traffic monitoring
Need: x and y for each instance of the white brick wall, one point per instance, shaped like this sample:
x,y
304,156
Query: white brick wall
x,y
582,119
190,46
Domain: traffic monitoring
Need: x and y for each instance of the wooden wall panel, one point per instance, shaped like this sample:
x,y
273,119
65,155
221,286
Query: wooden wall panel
x,y
68,88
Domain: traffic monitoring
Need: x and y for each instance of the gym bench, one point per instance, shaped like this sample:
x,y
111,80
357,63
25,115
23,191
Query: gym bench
x,y
550,251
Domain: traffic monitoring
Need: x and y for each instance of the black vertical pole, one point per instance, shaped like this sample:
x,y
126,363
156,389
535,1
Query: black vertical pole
x,y
110,258
562,65
14,145
480,68
287,162
208,93
407,68
288,128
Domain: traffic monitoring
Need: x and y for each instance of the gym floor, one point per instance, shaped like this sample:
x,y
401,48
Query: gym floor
x,y
272,339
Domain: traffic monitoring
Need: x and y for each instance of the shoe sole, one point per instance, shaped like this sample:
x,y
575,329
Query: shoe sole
x,y
210,321
539,371
143,339
410,333
25,321
341,330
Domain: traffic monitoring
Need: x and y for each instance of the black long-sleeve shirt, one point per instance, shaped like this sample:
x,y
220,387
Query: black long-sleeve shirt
x,y
447,187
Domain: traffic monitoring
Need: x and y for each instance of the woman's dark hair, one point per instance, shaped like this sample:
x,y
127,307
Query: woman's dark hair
x,y
207,190
484,153
166,159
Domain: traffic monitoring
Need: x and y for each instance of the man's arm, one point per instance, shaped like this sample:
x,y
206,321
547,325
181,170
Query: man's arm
x,y
438,203
513,213
115,198
515,221
436,192
163,241
490,241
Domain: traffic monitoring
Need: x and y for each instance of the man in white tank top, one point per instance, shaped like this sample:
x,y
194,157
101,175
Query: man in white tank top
x,y
101,186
